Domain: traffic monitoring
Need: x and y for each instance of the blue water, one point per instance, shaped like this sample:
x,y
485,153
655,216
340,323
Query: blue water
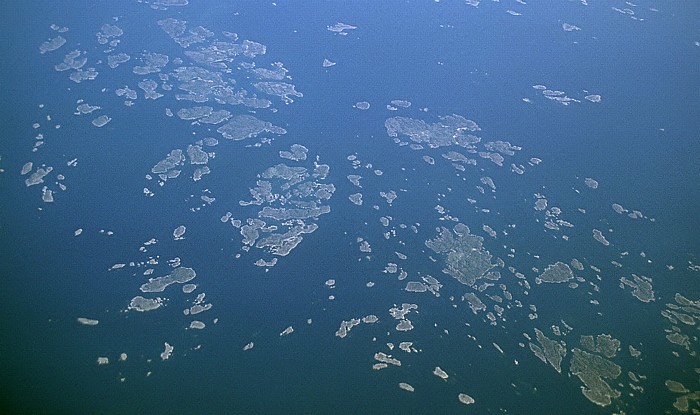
x,y
640,143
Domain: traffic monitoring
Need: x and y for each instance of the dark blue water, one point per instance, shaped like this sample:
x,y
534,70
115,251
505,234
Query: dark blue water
x,y
640,143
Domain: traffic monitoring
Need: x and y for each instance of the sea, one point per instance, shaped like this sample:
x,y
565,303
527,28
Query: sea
x,y
593,106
